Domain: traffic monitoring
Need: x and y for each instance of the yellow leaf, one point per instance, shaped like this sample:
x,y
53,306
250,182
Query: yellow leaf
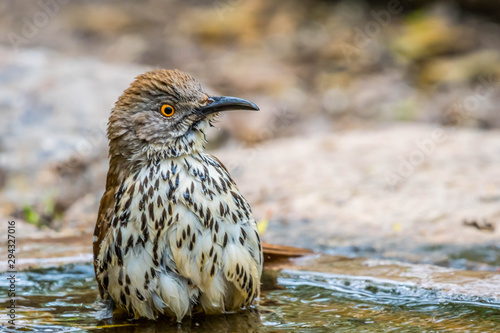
x,y
262,226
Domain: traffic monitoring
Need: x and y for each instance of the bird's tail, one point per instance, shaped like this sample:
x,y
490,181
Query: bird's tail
x,y
273,253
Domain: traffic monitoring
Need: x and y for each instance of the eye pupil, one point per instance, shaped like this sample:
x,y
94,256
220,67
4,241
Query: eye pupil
x,y
167,110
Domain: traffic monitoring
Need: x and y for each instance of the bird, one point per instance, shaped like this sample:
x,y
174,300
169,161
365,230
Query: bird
x,y
174,236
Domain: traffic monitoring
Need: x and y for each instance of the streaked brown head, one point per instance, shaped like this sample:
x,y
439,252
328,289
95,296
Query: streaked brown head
x,y
163,109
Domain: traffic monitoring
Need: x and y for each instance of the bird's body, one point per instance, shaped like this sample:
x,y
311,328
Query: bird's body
x,y
173,235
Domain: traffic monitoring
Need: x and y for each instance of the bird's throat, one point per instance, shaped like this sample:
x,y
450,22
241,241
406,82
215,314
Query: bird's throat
x,y
193,142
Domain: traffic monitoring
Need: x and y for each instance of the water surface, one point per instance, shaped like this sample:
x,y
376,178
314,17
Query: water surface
x,y
64,300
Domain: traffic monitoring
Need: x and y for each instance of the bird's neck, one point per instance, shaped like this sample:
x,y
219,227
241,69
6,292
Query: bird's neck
x,y
123,162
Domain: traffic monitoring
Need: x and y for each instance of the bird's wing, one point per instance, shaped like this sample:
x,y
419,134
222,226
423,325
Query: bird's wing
x,y
101,227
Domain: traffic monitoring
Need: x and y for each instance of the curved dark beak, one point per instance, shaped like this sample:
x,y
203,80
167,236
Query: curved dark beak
x,y
226,103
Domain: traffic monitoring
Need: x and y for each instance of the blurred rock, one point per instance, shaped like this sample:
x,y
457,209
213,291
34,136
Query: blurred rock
x,y
426,36
397,185
335,58
55,112
82,214
318,155
458,70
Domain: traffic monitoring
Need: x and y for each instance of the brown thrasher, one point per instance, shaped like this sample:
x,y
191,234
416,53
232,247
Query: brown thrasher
x,y
173,234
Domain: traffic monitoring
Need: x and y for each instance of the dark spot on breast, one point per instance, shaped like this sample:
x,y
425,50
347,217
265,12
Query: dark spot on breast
x,y
257,235
108,257
118,252
130,243
127,203
119,237
120,277
144,221
123,298
139,296
151,211
105,282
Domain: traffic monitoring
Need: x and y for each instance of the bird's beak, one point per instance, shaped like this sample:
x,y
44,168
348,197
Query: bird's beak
x,y
225,103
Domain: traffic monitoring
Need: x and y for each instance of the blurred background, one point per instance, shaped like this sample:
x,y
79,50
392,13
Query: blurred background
x,y
377,136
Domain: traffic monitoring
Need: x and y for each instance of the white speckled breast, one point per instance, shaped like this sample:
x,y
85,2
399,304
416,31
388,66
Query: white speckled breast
x,y
181,237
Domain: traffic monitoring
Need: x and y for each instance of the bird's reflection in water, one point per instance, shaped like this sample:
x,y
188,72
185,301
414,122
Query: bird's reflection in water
x,y
242,321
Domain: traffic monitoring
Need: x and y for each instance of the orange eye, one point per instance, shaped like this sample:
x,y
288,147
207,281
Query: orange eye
x,y
167,110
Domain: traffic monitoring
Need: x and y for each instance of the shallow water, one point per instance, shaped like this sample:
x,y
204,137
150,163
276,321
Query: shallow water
x,y
485,257
63,300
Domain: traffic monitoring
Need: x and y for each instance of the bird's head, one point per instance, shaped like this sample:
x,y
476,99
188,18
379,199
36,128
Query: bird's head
x,y
165,111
